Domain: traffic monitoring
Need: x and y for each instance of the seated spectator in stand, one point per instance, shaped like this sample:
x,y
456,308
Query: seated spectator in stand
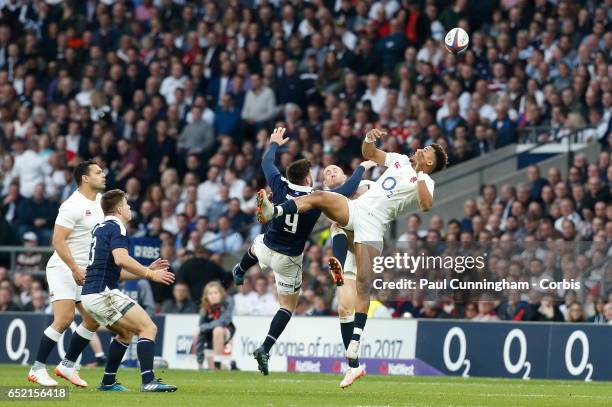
x,y
547,311
181,303
486,310
226,240
431,309
198,271
37,214
238,219
266,303
29,261
38,303
216,327
245,298
512,309
576,313
6,300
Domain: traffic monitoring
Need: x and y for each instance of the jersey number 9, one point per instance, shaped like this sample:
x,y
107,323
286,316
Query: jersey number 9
x,y
291,222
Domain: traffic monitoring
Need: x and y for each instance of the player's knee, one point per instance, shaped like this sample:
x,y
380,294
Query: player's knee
x,y
219,331
344,310
62,322
150,329
125,336
90,324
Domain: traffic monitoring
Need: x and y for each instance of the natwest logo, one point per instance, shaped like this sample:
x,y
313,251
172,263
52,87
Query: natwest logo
x,y
307,366
400,369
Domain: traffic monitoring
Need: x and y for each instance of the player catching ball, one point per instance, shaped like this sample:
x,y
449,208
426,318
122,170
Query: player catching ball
x,y
405,186
110,307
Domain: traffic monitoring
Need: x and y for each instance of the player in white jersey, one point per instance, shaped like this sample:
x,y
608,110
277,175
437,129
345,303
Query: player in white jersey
x,y
66,273
405,186
342,265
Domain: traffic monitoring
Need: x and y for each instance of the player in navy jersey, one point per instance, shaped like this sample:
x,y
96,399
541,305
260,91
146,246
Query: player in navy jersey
x,y
110,307
281,247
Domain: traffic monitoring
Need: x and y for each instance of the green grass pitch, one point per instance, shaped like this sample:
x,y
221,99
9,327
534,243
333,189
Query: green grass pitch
x,y
224,389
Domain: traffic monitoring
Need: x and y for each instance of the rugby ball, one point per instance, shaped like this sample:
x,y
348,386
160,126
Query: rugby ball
x,y
456,40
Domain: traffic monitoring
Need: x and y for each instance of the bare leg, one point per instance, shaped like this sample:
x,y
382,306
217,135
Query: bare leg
x,y
63,314
333,205
218,343
88,321
364,255
346,298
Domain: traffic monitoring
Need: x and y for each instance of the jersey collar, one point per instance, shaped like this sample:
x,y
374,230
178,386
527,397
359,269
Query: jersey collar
x,y
299,188
116,219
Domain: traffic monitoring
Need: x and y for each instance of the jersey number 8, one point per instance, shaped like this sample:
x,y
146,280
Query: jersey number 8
x,y
291,221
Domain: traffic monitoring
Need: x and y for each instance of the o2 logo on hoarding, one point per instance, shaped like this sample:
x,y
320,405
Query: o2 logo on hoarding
x,y
511,367
15,354
577,370
461,361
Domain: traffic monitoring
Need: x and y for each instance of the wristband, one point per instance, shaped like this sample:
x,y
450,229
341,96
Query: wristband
x,y
421,176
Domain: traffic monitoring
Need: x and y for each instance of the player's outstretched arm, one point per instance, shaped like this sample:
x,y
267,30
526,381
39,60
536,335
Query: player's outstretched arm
x,y
129,264
156,265
351,185
368,147
423,195
267,162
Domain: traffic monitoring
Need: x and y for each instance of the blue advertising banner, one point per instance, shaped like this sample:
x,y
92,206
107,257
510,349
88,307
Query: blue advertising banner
x,y
145,249
519,350
20,334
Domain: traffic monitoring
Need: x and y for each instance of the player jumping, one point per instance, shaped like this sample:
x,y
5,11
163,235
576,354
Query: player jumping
x,y
342,265
405,186
111,307
281,247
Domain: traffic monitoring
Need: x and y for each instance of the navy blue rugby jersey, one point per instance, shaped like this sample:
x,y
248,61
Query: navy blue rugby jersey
x,y
102,272
289,233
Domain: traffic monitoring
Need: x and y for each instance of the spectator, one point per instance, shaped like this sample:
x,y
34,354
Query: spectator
x,y
181,303
225,240
216,328
6,300
485,310
198,271
265,303
245,299
259,105
29,261
576,313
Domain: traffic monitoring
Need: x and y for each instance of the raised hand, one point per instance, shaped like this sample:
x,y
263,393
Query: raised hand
x,y
375,134
277,136
368,164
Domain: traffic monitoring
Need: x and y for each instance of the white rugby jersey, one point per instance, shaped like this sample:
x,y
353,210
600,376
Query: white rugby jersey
x,y
394,193
81,215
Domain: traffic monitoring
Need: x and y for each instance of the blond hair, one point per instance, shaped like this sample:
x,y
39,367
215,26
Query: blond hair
x,y
204,301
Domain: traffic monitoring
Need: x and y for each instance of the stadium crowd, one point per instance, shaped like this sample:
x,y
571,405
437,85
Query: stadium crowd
x,y
175,100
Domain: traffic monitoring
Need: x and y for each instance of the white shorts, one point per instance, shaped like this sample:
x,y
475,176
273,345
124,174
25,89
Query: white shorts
x,y
107,307
287,269
61,283
365,226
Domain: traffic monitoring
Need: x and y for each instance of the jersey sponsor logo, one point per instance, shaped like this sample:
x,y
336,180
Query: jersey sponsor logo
x,y
87,212
413,179
397,165
388,184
